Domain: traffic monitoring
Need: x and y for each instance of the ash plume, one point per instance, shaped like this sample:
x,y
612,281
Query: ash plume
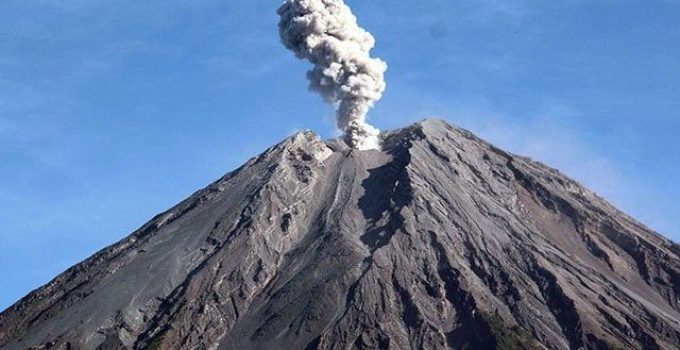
x,y
326,33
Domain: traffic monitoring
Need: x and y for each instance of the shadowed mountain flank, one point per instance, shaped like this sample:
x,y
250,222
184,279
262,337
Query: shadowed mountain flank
x,y
438,241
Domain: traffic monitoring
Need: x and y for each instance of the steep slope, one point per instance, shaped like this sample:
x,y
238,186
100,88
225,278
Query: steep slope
x,y
440,241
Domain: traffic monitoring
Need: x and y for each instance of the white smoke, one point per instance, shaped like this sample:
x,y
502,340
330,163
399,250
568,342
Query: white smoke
x,y
326,33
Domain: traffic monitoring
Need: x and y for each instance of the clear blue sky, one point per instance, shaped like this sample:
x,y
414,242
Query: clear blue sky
x,y
112,111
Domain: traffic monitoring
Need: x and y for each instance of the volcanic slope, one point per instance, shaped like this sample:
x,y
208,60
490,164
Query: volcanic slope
x,y
440,241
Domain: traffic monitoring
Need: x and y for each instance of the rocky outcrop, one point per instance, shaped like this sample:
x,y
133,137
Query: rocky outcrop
x,y
440,241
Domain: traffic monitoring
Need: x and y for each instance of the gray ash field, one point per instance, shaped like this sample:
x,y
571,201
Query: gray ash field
x,y
440,241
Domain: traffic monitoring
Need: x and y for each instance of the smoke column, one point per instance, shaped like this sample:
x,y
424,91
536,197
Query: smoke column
x,y
326,33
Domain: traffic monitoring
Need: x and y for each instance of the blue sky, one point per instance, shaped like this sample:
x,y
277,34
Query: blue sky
x,y
112,111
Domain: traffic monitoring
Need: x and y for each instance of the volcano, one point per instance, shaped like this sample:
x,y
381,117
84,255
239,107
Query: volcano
x,y
439,241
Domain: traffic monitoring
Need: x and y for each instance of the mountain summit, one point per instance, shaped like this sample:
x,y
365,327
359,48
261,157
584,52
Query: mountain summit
x,y
439,241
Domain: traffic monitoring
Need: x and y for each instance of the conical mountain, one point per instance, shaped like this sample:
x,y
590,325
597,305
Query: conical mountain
x,y
440,241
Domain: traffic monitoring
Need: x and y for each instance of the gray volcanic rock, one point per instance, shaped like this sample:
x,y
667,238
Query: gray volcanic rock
x,y
439,241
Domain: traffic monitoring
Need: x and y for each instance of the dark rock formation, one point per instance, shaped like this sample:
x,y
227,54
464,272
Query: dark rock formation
x,y
440,241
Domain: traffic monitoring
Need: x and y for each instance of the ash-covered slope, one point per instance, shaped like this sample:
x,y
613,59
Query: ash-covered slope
x,y
440,241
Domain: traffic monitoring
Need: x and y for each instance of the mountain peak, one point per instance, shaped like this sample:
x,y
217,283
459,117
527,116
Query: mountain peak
x,y
438,241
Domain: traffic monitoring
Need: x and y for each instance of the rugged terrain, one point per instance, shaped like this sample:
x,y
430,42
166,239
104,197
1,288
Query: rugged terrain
x,y
439,241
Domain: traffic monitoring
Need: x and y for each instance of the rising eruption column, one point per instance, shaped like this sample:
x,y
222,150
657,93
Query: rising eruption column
x,y
326,33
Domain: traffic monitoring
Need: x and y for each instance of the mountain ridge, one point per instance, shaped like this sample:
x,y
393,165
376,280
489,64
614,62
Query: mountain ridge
x,y
439,241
